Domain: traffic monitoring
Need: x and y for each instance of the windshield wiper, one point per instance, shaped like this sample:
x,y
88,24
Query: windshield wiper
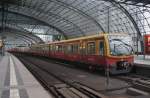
x,y
123,46
115,52
123,43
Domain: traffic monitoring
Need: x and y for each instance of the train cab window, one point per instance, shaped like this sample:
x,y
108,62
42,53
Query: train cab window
x,y
101,48
91,48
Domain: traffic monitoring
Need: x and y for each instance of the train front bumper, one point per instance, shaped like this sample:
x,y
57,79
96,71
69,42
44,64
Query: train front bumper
x,y
120,67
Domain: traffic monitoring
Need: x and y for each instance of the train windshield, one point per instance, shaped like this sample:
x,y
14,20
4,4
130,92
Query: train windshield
x,y
120,45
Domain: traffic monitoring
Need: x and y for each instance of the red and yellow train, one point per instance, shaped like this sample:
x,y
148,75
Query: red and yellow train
x,y
107,51
147,44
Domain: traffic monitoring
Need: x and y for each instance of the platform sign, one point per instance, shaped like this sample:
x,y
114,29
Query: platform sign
x,y
147,44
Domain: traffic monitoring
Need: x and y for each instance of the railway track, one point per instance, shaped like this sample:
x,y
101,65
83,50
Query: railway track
x,y
59,87
139,84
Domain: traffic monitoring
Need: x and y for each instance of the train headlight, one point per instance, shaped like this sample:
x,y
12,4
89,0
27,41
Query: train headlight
x,y
122,65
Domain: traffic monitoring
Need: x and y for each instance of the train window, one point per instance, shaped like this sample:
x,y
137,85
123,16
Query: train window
x,y
70,49
50,47
83,48
58,48
42,48
101,48
53,47
91,48
47,48
75,48
64,49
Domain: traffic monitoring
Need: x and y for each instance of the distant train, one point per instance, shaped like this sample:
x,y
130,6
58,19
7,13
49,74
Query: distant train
x,y
107,51
147,44
144,47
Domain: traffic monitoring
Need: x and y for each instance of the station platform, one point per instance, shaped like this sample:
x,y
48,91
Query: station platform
x,y
140,60
142,65
17,82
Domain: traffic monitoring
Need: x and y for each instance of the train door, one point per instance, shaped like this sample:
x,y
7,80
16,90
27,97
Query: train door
x,y
101,51
101,48
82,50
47,49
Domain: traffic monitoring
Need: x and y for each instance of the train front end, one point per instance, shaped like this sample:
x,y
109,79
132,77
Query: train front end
x,y
119,54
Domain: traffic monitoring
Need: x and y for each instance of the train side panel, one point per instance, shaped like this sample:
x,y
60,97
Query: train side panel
x,y
92,51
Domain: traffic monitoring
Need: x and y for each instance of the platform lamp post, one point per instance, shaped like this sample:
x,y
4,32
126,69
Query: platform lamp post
x,y
107,69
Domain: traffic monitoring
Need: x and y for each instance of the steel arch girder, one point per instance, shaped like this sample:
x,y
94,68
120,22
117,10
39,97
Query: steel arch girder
x,y
127,14
31,37
26,40
51,26
80,12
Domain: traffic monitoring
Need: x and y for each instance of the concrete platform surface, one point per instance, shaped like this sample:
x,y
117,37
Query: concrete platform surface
x,y
17,82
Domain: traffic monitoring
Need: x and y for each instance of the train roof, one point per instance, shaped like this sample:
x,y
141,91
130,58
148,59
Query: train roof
x,y
87,37
83,38
76,39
